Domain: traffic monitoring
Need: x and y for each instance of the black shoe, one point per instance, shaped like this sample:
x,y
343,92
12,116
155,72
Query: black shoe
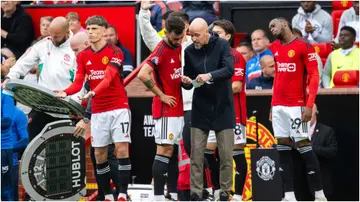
x,y
207,196
195,197
168,197
128,197
224,195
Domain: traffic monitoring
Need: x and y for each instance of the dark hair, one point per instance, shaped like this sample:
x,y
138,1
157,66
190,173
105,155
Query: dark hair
x,y
287,22
97,20
297,31
246,44
166,15
112,26
174,24
182,15
226,25
350,29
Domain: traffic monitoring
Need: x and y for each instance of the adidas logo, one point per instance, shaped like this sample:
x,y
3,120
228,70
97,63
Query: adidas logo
x,y
276,54
127,136
165,174
311,172
88,63
280,169
172,61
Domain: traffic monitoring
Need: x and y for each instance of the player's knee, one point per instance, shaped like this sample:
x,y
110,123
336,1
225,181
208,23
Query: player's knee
x,y
284,141
122,150
302,142
165,150
238,147
211,146
100,155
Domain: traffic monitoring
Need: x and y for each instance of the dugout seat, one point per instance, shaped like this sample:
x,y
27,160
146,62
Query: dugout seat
x,y
323,50
336,15
238,37
341,5
346,79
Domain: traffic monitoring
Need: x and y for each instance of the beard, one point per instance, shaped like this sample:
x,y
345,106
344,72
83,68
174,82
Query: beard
x,y
58,43
198,46
173,45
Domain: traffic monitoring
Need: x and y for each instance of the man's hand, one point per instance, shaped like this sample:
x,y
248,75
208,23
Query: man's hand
x,y
3,85
88,95
306,114
308,27
146,4
334,45
4,34
81,128
60,93
186,80
169,100
203,78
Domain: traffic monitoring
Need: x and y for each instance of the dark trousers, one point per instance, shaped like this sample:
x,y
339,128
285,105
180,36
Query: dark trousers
x,y
186,132
38,122
15,179
113,163
6,175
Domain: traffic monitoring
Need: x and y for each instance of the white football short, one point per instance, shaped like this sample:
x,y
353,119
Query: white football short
x,y
239,135
110,127
168,130
287,122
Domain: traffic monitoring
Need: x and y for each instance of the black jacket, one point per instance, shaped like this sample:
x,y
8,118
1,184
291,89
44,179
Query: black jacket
x,y
213,104
260,83
20,31
325,148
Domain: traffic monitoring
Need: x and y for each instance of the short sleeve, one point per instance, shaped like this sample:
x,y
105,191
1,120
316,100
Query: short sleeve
x,y
154,58
239,68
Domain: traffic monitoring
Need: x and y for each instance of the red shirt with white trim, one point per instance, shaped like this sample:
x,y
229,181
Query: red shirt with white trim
x,y
239,75
295,63
166,62
103,69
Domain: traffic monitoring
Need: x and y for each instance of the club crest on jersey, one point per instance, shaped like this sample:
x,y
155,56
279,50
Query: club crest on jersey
x,y
105,60
155,60
345,77
291,53
171,136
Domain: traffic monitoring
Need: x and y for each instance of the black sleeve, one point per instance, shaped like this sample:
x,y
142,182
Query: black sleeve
x,y
23,30
87,113
227,63
188,70
327,150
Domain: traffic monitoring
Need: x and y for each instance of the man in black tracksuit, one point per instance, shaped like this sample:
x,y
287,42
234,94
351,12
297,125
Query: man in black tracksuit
x,y
209,67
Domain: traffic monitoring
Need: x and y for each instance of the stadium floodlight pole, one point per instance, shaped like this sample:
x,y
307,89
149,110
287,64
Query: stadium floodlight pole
x,y
254,113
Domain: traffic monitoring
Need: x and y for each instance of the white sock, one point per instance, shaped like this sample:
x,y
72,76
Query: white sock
x,y
210,190
110,197
290,195
237,197
217,193
122,195
174,196
159,198
319,194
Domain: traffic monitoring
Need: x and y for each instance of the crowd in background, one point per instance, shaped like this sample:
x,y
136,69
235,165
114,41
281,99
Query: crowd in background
x,y
311,23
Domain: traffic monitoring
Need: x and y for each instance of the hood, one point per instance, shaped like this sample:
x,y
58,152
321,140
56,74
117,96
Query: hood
x,y
302,12
213,37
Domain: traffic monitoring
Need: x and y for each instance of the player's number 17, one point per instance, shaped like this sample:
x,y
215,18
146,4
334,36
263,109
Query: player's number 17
x,y
125,127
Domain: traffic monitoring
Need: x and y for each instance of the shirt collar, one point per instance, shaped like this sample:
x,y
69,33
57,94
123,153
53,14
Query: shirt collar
x,y
347,51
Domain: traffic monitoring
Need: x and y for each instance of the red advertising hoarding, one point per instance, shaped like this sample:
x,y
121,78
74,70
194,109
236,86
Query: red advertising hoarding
x,y
121,16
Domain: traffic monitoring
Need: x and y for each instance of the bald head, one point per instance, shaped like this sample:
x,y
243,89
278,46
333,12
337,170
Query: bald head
x,y
59,31
267,64
60,23
79,42
266,59
199,32
198,24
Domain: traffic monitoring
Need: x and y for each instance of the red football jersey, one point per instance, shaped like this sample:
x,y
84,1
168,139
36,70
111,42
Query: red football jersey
x,y
166,62
104,65
295,61
239,75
